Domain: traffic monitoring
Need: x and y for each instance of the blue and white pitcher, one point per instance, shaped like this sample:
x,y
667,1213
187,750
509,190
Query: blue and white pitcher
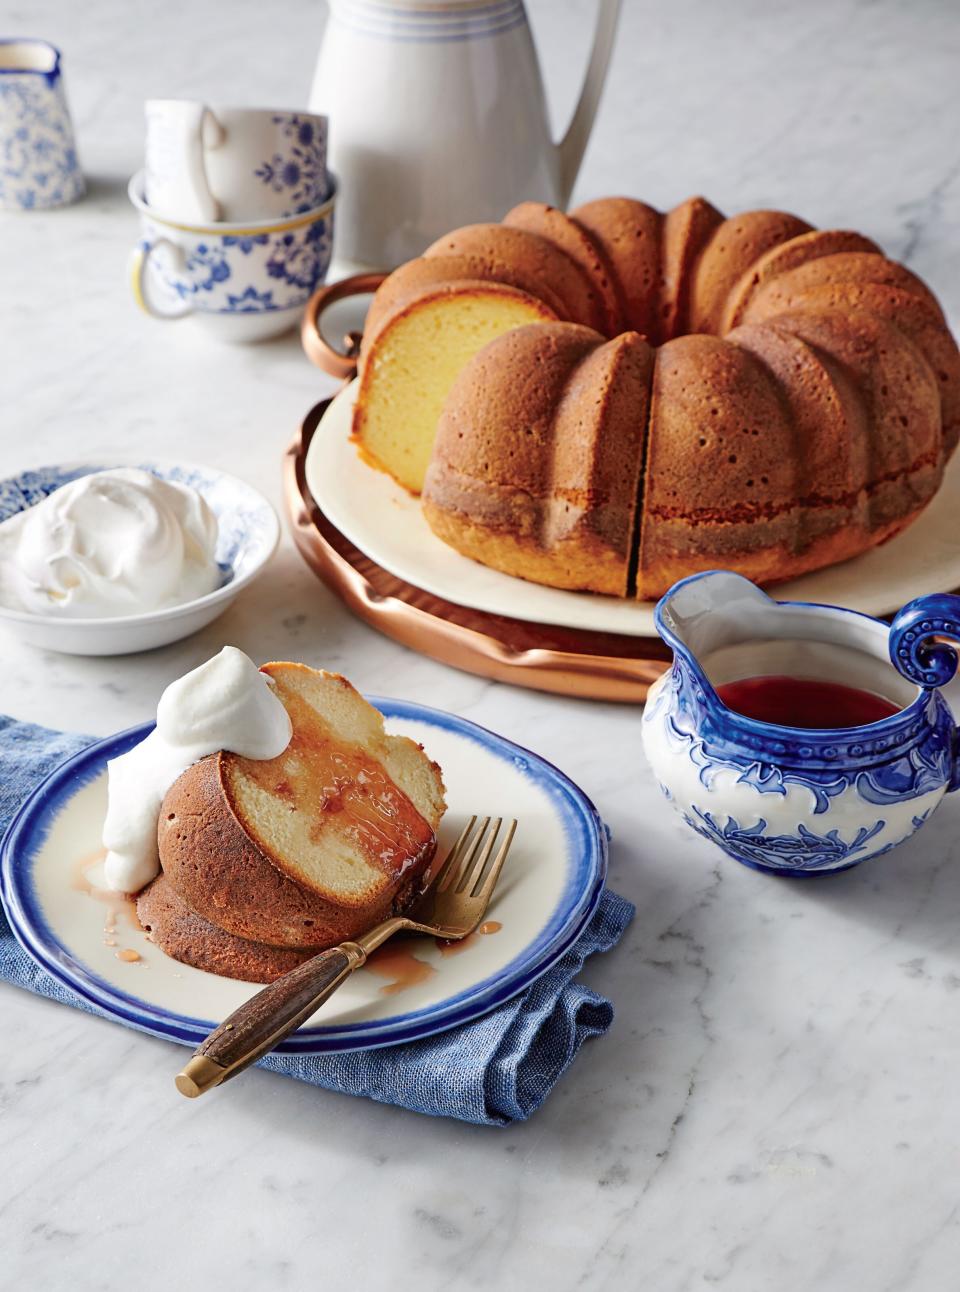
x,y
792,800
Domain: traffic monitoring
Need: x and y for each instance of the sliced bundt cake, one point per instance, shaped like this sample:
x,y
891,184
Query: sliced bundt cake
x,y
800,406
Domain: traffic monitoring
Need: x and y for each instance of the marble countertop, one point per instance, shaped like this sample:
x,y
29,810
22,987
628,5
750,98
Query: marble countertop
x,y
774,1105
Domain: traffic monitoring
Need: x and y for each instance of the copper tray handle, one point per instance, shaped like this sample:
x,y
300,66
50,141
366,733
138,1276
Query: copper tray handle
x,y
339,363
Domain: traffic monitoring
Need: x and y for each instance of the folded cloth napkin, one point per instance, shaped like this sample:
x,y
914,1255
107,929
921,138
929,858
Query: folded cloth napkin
x,y
493,1071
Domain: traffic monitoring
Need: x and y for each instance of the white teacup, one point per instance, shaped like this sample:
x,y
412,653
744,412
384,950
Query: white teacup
x,y
240,282
231,164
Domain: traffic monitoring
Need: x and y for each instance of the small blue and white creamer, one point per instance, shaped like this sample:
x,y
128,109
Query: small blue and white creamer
x,y
39,169
790,800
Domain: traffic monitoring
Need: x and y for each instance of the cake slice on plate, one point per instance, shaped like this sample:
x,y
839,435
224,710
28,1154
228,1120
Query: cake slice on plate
x,y
267,861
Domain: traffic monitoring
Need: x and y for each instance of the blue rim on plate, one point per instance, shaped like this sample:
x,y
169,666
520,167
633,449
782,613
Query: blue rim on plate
x,y
578,901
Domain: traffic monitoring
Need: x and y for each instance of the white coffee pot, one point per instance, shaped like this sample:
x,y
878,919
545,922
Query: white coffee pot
x,y
438,118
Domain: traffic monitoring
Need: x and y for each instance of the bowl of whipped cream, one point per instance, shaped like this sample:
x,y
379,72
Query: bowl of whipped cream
x,y
107,560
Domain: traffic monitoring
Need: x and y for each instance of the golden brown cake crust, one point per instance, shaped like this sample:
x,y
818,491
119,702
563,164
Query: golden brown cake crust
x,y
721,449
818,244
889,292
829,420
629,232
679,555
500,247
448,275
686,230
728,253
540,477
577,242
904,449
787,288
186,936
214,865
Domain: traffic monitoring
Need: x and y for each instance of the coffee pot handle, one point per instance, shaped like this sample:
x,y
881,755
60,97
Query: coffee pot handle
x,y
574,143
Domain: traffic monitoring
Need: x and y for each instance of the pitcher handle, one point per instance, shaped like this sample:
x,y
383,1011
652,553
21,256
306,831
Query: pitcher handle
x,y
914,646
918,651
338,363
574,143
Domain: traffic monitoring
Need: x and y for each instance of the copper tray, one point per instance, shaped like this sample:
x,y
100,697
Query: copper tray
x,y
594,666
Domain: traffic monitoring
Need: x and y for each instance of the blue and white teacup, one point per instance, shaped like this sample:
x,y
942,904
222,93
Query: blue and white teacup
x,y
38,156
798,800
212,163
242,282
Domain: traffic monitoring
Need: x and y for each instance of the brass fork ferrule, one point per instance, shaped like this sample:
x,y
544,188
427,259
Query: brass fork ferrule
x,y
199,1076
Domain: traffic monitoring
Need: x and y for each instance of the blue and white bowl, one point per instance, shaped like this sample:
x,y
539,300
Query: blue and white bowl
x,y
241,282
249,531
38,157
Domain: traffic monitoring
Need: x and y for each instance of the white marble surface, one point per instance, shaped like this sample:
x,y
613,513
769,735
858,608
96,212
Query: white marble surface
x,y
775,1105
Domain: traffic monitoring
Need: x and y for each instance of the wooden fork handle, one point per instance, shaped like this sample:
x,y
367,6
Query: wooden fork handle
x,y
265,1019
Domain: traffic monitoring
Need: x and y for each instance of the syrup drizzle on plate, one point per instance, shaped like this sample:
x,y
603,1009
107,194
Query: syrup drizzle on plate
x,y
401,966
117,904
398,963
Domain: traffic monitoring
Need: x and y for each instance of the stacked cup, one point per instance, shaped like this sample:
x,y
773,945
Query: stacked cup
x,y
236,214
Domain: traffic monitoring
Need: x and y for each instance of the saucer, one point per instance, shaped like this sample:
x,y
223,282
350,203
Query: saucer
x,y
547,894
249,531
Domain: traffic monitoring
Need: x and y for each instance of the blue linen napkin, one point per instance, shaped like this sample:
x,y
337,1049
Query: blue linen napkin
x,y
496,1070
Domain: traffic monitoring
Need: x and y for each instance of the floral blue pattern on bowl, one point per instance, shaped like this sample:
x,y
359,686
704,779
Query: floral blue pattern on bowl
x,y
248,532
801,801
38,156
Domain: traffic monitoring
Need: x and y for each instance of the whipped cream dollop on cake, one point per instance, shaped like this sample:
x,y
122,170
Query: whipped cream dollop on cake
x,y
225,704
119,542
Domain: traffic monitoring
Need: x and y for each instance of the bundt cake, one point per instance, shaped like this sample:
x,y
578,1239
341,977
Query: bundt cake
x,y
266,862
655,394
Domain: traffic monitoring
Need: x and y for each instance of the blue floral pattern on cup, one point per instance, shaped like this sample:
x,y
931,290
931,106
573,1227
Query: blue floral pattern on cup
x,y
302,169
38,158
231,273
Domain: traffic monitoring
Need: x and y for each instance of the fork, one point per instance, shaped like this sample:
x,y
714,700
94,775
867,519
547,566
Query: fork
x,y
451,907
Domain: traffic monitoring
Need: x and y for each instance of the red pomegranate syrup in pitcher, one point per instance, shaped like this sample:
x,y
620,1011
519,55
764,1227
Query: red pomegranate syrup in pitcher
x,y
804,702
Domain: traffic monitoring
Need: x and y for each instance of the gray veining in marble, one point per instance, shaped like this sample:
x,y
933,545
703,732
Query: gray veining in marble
x,y
776,1104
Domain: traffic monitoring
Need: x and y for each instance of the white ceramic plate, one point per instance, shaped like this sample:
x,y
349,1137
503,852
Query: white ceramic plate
x,y
547,893
248,533
386,523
